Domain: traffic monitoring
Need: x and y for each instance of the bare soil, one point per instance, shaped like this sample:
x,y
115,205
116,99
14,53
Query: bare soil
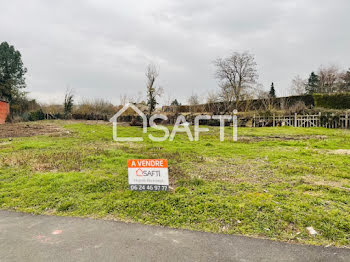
x,y
340,152
29,129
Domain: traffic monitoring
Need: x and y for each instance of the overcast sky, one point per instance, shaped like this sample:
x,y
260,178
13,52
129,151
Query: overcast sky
x,y
100,48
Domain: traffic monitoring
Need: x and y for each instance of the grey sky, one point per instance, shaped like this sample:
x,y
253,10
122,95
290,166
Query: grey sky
x,y
100,48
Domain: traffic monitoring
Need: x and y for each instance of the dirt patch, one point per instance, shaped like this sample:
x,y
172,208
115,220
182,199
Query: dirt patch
x,y
29,129
340,152
341,184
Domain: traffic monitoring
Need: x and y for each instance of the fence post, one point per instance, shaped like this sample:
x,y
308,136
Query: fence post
x,y
254,121
273,120
346,121
319,119
295,120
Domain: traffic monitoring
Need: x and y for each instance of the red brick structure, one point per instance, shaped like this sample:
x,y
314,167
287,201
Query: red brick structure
x,y
4,111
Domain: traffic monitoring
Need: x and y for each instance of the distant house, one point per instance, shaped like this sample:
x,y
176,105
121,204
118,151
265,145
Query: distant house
x,y
4,110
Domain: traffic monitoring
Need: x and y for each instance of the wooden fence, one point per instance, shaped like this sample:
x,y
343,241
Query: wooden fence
x,y
319,120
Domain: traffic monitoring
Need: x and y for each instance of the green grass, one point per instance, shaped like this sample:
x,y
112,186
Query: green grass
x,y
272,183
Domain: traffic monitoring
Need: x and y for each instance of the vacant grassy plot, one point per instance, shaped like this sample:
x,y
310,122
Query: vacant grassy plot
x,y
273,182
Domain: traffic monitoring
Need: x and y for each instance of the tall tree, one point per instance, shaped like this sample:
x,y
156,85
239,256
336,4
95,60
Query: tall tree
x,y
236,74
272,92
12,72
298,86
329,77
175,103
313,84
152,92
193,100
346,82
212,102
68,102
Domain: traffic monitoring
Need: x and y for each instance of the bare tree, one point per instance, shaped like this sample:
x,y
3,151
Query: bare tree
x,y
123,99
227,97
266,99
329,79
193,100
298,86
168,99
136,98
248,100
212,98
344,85
236,73
213,102
96,106
152,92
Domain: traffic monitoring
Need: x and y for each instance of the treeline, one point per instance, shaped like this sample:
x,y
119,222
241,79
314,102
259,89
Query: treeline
x,y
96,109
329,79
238,88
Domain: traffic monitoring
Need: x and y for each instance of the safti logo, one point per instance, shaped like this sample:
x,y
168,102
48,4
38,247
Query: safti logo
x,y
148,174
181,126
139,172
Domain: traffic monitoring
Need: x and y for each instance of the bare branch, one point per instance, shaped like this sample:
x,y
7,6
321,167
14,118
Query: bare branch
x,y
236,73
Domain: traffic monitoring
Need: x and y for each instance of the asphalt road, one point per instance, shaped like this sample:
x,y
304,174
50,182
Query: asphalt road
x,y
25,237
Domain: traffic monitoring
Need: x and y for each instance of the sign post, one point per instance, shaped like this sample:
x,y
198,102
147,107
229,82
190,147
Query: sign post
x,y
148,174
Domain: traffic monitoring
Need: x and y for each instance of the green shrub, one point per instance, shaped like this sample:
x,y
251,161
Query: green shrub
x,y
334,101
36,115
25,117
8,119
329,118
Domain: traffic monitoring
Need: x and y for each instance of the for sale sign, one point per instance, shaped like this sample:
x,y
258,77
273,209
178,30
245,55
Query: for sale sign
x,y
148,174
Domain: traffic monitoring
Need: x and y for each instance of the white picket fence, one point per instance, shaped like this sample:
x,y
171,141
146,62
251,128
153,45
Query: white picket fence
x,y
331,121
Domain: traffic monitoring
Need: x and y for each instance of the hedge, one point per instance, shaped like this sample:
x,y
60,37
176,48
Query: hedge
x,y
334,101
36,115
